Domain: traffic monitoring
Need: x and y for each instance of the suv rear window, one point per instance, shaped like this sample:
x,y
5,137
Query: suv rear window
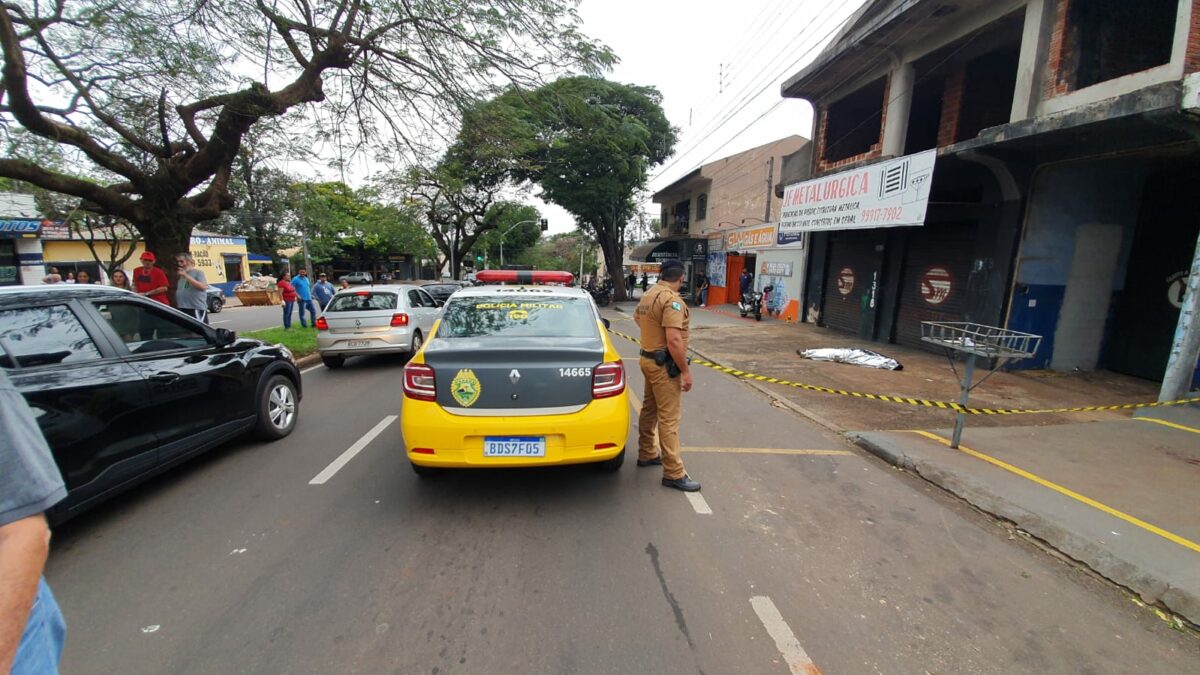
x,y
518,316
362,301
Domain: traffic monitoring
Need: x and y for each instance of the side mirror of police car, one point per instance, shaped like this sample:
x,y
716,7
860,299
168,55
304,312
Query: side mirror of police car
x,y
225,337
607,323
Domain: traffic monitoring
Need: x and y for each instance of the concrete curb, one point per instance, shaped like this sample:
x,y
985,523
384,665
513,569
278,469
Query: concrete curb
x,y
1152,589
310,360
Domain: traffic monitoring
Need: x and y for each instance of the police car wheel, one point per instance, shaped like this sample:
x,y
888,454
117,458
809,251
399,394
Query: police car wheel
x,y
612,465
424,471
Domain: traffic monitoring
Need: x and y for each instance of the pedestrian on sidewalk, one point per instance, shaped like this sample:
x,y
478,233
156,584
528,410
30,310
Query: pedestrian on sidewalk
x,y
287,293
323,292
304,296
704,290
31,625
191,291
645,284
631,283
745,282
662,317
151,281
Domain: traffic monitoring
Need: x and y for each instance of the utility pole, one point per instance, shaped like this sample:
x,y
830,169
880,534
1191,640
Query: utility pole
x,y
1185,348
770,180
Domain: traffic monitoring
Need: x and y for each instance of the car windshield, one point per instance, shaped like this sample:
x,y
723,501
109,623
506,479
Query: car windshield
x,y
518,316
441,290
361,301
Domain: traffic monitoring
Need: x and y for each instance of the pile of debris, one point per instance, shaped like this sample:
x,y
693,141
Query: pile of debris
x,y
263,283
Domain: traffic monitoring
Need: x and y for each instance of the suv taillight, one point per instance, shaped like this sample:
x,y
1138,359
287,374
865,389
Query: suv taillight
x,y
419,382
322,324
608,379
399,320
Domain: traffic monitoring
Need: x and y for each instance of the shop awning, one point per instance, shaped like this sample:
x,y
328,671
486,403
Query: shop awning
x,y
657,251
259,258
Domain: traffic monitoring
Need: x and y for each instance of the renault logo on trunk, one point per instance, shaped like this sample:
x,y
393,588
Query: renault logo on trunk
x,y
514,376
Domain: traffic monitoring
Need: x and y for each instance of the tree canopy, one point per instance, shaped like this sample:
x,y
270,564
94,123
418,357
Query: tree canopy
x,y
587,142
155,97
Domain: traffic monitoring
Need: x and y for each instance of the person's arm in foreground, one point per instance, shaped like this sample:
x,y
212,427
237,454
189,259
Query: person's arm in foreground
x,y
24,546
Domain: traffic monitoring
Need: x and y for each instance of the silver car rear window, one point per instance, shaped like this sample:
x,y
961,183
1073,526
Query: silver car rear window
x,y
518,316
362,301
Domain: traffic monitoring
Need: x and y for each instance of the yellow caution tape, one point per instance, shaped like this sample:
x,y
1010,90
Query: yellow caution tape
x,y
925,403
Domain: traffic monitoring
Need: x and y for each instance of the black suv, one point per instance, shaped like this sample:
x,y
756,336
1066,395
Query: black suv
x,y
125,387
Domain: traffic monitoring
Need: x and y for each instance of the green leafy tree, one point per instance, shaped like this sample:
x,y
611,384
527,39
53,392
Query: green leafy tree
x,y
155,97
562,252
522,224
587,142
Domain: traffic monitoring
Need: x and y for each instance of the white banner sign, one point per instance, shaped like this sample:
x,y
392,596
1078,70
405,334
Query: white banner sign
x,y
894,193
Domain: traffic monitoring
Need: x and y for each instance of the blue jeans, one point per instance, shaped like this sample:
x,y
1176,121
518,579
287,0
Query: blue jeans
x,y
312,313
287,313
704,296
42,642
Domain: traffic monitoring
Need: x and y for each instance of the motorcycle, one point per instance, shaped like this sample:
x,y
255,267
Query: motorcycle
x,y
601,296
752,303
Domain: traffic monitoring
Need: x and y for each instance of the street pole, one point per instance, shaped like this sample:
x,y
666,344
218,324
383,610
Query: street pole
x,y
770,179
505,234
307,259
1185,348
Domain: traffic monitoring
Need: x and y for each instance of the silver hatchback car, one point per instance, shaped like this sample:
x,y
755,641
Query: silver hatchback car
x,y
375,320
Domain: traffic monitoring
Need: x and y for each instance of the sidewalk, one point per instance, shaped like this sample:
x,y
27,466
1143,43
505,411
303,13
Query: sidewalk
x,y
1115,493
1120,497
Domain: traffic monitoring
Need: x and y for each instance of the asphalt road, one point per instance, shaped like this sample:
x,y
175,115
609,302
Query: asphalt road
x,y
243,319
802,551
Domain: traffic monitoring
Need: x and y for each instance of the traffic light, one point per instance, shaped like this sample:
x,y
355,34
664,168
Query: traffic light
x,y
545,224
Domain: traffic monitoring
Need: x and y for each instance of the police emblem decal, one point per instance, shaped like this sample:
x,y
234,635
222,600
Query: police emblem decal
x,y
676,306
465,388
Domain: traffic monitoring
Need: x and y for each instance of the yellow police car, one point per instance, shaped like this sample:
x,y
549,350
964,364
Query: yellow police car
x,y
516,376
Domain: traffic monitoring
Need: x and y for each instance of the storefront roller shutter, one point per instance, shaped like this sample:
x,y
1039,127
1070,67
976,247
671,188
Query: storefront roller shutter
x,y
852,262
936,272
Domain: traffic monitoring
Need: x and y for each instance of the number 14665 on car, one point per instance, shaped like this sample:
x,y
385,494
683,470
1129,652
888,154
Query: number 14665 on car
x,y
574,372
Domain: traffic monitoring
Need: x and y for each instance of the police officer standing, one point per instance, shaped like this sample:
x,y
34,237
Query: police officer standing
x,y
662,317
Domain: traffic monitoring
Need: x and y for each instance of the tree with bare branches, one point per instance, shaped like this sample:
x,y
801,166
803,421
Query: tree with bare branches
x,y
156,96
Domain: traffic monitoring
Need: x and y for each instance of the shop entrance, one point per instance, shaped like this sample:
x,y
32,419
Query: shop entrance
x,y
1146,312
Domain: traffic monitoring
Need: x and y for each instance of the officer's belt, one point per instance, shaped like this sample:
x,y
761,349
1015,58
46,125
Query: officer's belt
x,y
650,355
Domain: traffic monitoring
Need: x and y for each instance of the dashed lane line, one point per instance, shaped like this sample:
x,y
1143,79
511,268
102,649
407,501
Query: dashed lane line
x,y
785,640
698,503
344,458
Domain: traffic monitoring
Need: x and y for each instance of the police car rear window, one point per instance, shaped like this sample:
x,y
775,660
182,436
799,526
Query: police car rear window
x,y
362,301
516,316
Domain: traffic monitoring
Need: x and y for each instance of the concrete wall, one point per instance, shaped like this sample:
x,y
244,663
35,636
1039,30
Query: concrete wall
x,y
1099,200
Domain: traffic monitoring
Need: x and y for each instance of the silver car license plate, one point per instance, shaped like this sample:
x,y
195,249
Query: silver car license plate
x,y
359,343
514,446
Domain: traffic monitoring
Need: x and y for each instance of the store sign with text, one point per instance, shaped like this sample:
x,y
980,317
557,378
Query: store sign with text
x,y
894,193
747,238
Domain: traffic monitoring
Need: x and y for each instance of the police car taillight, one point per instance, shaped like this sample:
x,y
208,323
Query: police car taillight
x,y
419,382
524,277
608,379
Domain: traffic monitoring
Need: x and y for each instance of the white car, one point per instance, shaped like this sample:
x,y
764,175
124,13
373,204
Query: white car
x,y
375,320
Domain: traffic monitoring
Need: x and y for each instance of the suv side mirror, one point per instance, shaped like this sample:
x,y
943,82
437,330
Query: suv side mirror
x,y
606,322
225,337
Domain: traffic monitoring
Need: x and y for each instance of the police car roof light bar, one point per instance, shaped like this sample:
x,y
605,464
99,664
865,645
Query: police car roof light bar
x,y
524,277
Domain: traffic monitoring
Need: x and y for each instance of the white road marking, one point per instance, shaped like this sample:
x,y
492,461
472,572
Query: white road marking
x,y
343,459
698,503
785,641
312,368
214,323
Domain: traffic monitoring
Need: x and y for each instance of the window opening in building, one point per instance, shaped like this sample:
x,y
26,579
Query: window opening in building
x,y
855,122
925,116
680,224
233,268
1110,38
988,91
702,206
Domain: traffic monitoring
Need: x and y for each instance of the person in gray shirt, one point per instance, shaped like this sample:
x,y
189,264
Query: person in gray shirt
x,y
190,295
32,629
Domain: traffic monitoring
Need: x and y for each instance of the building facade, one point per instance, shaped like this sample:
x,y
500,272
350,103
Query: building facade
x,y
1063,134
698,211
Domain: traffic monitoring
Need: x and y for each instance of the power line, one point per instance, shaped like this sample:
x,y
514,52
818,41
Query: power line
x,y
704,136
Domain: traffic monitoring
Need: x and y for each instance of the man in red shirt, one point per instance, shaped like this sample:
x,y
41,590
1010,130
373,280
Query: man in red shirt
x,y
151,281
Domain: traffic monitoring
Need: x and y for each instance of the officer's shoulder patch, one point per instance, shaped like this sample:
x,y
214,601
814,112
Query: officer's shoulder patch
x,y
676,306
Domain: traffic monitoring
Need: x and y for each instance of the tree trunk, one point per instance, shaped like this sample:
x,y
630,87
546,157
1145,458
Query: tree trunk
x,y
613,263
167,237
